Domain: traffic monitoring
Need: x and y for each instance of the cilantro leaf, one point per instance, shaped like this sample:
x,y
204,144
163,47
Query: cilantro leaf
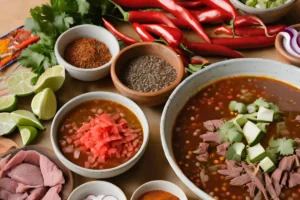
x,y
83,6
271,153
283,146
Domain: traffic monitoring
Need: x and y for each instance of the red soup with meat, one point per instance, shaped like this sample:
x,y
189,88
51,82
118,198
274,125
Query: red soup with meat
x,y
100,134
238,139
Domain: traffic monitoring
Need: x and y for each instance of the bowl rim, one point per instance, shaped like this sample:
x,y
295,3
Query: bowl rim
x,y
169,153
246,8
155,182
280,48
74,101
78,188
171,87
80,27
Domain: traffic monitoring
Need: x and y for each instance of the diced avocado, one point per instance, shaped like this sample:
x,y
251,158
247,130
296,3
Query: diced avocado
x,y
256,153
239,107
240,121
265,115
251,117
236,151
234,135
263,126
267,164
252,133
251,108
261,103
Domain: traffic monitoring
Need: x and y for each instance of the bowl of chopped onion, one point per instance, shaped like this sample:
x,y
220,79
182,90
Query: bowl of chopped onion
x,y
268,11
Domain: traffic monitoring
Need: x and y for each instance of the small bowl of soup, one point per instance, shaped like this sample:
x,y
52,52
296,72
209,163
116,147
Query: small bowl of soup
x,y
99,134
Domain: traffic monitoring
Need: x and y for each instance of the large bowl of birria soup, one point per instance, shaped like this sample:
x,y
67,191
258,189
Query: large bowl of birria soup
x,y
232,131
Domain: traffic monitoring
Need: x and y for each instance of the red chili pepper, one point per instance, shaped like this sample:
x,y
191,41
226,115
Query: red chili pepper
x,y
172,36
137,3
27,42
206,15
251,31
124,38
246,42
141,31
245,20
222,5
196,60
179,12
204,49
191,4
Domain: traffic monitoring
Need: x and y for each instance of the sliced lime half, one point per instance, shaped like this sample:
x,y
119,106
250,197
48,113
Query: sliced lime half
x,y
28,134
7,124
20,83
8,103
26,118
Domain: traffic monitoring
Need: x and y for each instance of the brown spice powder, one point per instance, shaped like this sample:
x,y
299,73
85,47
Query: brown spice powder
x,y
87,53
158,195
148,74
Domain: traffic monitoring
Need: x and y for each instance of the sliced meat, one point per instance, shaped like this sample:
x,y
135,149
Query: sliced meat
x,y
4,161
8,185
31,157
27,174
203,147
232,164
37,193
284,179
213,125
202,157
222,148
211,137
22,188
286,163
276,175
251,189
215,168
258,196
255,180
277,187
231,173
51,174
53,193
294,179
5,195
241,180
297,153
270,187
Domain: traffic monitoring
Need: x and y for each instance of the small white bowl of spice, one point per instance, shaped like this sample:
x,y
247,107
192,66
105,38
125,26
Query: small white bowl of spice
x,y
87,51
147,72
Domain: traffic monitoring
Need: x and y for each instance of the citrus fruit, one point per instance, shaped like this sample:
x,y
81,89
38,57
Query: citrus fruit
x,y
20,83
7,124
26,118
28,134
8,103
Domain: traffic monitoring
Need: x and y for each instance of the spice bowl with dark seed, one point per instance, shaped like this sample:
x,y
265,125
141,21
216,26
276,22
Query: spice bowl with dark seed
x,y
87,51
147,72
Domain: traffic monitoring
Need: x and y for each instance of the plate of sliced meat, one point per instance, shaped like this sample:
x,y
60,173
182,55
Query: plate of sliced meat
x,y
34,173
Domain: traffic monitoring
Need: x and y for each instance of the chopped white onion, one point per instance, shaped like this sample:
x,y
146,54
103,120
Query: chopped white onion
x,y
68,149
109,197
76,153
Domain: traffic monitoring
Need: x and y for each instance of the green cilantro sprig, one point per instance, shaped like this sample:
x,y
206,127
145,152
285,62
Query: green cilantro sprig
x,y
283,146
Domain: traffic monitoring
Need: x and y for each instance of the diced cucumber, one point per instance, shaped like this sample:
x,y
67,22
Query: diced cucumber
x,y
236,151
265,115
251,108
261,103
252,133
239,107
276,111
239,122
251,117
267,164
251,3
263,126
234,135
256,153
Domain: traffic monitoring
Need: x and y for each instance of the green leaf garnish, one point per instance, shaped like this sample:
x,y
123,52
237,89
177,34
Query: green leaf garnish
x,y
283,146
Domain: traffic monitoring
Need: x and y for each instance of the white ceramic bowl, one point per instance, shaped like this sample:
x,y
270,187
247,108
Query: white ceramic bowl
x,y
96,188
268,15
103,173
194,83
159,185
86,31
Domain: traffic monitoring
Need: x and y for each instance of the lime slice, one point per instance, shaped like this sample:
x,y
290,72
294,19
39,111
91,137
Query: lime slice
x,y
28,134
20,83
52,78
7,124
43,104
8,103
26,118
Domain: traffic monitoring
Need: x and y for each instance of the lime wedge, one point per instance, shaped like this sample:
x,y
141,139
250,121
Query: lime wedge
x,y
20,83
28,134
7,124
8,103
26,118
44,105
53,78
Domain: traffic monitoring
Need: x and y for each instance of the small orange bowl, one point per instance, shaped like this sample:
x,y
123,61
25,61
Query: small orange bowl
x,y
283,54
142,49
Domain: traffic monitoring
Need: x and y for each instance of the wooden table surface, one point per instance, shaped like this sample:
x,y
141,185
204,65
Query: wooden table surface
x,y
153,165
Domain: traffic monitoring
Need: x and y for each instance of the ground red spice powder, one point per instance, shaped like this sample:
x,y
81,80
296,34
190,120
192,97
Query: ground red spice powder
x,y
87,53
158,195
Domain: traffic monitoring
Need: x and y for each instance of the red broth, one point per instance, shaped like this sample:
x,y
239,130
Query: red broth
x,y
68,135
212,103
